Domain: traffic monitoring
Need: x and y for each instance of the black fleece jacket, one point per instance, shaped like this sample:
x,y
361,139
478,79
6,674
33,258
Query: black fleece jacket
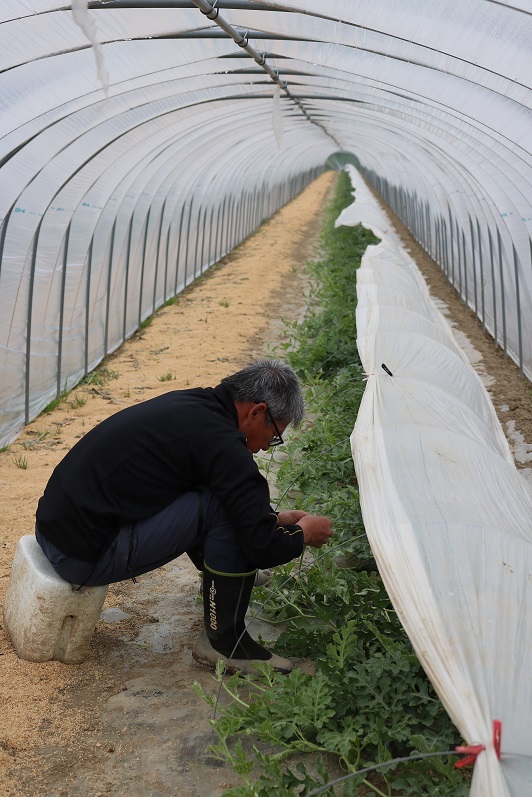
x,y
139,460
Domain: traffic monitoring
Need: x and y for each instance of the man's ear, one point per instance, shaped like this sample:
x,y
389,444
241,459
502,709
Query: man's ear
x,y
257,409
248,412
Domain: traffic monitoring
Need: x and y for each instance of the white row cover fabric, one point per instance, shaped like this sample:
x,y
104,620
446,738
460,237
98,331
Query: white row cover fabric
x,y
448,516
112,197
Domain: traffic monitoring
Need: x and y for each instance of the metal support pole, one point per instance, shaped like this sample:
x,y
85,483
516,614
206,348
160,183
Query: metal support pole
x,y
62,309
216,235
227,226
246,215
459,258
210,260
143,263
87,306
503,303
179,238
28,325
464,262
3,232
236,239
166,259
197,242
482,281
446,248
108,295
518,302
234,219
277,198
126,282
451,244
239,217
251,217
255,209
188,236
262,213
203,236
490,240
472,233
157,257
222,228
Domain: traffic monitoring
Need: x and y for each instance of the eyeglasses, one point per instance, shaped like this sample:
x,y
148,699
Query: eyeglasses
x,y
277,440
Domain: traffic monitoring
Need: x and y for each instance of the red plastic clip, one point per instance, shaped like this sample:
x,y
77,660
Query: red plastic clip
x,y
497,734
471,751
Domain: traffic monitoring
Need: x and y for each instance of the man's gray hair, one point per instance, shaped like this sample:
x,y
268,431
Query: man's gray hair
x,y
272,382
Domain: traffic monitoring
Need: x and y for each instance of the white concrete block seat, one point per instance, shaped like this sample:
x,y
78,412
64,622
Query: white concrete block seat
x,y
45,616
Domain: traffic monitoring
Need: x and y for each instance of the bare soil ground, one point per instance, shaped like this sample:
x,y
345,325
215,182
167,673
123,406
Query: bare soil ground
x,y
127,723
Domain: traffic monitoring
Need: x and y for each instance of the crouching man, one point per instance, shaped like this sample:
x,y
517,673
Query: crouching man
x,y
176,475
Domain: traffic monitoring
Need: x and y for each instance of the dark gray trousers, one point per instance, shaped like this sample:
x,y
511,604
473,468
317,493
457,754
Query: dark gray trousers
x,y
194,521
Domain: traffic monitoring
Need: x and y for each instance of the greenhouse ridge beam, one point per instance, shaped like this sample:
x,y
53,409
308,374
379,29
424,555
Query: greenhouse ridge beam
x,y
229,4
105,4
212,12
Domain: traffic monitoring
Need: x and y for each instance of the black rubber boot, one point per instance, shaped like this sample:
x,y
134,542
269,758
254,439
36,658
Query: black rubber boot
x,y
197,557
225,602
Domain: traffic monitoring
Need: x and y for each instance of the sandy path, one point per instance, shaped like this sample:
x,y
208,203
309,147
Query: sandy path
x,y
126,722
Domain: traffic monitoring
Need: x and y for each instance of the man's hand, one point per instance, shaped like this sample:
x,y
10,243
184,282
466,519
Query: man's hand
x,y
291,517
316,530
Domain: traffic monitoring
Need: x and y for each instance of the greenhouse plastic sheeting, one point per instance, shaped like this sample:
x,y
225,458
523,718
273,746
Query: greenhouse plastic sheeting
x,y
447,514
143,143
